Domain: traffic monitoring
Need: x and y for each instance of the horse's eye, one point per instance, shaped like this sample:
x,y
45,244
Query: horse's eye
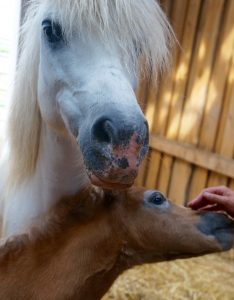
x,y
52,31
156,198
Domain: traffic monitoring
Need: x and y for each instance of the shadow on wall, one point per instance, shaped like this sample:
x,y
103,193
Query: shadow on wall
x,y
194,103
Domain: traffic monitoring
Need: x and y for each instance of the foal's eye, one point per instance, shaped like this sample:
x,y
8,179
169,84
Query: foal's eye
x,y
156,198
52,31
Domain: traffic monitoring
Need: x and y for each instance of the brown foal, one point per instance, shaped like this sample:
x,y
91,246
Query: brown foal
x,y
94,237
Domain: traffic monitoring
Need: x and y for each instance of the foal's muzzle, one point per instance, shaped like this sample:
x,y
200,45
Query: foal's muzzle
x,y
116,148
220,226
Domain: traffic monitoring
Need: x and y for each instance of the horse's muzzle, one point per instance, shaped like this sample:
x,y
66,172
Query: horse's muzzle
x,y
116,150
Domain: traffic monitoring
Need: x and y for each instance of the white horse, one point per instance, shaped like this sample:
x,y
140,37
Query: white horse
x,y
74,115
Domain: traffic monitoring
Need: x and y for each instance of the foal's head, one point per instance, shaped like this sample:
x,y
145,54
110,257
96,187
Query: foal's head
x,y
158,230
94,237
143,226
109,232
88,66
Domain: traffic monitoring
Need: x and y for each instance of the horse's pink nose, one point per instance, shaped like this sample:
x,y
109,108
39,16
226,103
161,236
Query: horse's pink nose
x,y
115,148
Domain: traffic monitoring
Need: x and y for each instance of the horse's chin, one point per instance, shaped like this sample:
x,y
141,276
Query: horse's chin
x,y
104,183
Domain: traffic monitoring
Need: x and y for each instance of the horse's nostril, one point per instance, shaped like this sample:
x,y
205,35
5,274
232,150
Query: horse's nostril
x,y
103,131
119,131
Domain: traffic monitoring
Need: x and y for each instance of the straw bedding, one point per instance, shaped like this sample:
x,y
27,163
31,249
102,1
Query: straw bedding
x,y
205,278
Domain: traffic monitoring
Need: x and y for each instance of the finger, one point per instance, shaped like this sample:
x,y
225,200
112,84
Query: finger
x,y
200,196
215,188
198,202
215,199
221,201
219,190
217,208
209,199
195,200
212,208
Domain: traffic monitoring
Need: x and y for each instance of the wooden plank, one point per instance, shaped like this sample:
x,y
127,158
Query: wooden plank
x,y
227,145
151,107
151,102
149,169
183,69
147,98
197,182
215,179
142,173
201,71
159,103
153,168
180,81
215,96
225,141
167,84
165,173
141,93
178,190
193,155
197,86
218,79
231,185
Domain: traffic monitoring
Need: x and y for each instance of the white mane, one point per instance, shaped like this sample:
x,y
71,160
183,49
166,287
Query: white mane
x,y
136,26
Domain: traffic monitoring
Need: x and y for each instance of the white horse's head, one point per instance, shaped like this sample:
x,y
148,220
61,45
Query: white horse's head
x,y
87,54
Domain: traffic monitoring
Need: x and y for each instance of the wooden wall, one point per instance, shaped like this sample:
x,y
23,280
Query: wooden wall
x,y
191,112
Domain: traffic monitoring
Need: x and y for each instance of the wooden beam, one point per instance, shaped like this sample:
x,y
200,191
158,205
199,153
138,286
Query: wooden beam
x,y
205,159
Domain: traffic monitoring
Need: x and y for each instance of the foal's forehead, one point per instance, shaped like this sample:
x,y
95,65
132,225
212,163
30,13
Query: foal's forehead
x,y
136,194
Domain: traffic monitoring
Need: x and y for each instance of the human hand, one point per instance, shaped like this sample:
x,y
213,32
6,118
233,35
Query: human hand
x,y
219,198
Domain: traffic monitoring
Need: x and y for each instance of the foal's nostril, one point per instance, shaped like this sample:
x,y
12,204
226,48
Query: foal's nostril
x,y
103,131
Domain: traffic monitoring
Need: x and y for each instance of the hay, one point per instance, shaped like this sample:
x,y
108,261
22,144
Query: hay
x,y
205,278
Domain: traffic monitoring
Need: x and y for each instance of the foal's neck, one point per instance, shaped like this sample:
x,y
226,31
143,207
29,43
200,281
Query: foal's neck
x,y
76,258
